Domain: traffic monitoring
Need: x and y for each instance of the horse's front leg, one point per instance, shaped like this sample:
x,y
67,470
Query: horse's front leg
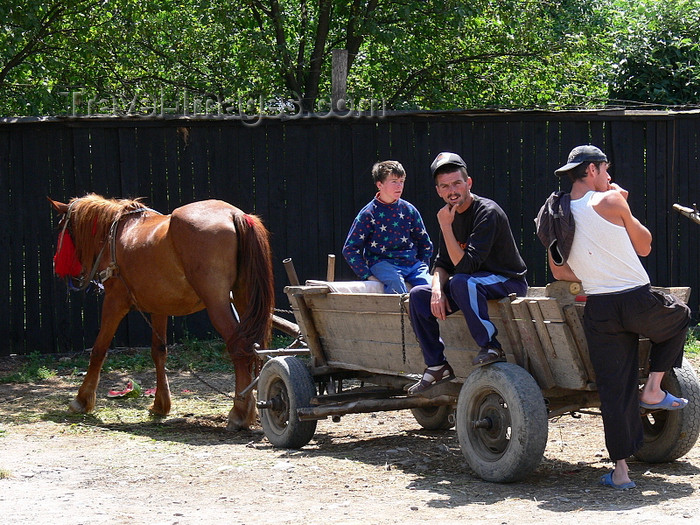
x,y
159,353
243,414
112,314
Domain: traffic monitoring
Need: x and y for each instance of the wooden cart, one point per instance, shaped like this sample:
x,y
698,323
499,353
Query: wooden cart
x,y
362,354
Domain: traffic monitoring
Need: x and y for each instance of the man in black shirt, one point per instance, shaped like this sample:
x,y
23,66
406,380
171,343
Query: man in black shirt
x,y
477,260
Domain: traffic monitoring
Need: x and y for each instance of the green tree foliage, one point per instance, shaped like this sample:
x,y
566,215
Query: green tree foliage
x,y
657,52
36,39
505,53
143,56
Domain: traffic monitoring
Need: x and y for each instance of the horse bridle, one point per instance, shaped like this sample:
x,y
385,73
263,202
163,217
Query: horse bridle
x,y
82,281
112,269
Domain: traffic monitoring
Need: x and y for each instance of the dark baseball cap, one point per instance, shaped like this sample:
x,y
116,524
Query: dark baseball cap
x,y
447,158
579,155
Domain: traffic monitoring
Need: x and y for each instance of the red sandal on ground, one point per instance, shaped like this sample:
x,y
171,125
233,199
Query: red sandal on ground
x,y
431,378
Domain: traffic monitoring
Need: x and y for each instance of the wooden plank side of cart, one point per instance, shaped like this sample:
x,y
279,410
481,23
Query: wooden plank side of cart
x,y
372,332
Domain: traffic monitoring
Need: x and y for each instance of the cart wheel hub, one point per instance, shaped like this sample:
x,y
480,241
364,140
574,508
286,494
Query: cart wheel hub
x,y
485,423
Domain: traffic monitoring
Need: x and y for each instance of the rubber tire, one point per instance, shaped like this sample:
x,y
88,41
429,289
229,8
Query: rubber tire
x,y
509,397
670,434
287,380
434,418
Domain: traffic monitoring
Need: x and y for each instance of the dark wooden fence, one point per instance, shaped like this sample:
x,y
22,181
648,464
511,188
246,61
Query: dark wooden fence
x,y
308,178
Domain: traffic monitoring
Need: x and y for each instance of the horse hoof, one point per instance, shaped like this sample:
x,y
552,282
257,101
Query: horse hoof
x,y
158,411
77,407
155,415
236,426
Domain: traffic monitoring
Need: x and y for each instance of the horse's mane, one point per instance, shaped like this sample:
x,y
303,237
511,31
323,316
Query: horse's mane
x,y
91,217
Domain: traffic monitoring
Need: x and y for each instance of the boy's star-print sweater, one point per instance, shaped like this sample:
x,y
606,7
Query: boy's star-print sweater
x,y
393,232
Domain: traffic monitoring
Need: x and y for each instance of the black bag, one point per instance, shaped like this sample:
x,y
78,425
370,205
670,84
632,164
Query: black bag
x,y
555,226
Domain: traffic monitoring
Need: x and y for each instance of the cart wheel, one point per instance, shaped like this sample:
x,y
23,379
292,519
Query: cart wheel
x,y
670,434
285,384
434,418
501,422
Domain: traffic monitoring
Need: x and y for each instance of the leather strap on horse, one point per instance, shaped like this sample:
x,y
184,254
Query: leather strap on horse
x,y
113,269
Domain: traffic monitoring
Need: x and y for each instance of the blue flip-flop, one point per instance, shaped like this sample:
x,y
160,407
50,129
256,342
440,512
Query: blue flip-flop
x,y
667,403
606,480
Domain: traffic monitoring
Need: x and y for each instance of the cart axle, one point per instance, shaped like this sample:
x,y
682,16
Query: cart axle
x,y
485,423
371,405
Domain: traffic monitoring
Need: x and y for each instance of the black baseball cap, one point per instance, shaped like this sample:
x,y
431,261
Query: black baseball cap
x,y
579,155
447,158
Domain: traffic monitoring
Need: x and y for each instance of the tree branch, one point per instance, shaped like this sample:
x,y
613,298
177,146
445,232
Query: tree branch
x,y
356,28
316,61
32,44
290,79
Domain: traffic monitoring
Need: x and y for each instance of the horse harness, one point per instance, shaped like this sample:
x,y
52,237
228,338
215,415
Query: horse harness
x,y
112,269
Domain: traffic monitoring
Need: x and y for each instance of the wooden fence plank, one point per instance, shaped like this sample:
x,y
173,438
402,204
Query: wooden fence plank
x,y
16,224
37,241
7,312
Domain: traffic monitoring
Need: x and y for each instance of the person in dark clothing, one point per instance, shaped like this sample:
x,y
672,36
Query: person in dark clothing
x,y
477,260
620,306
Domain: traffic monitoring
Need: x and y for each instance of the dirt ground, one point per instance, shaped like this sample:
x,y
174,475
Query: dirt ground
x,y
117,466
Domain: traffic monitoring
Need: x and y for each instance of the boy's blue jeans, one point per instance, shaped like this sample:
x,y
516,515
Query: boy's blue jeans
x,y
395,277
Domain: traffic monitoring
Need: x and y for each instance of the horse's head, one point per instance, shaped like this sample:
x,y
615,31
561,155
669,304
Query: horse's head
x,y
66,260
84,231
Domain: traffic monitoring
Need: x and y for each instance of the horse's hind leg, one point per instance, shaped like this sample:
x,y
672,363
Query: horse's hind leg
x,y
243,414
112,314
159,353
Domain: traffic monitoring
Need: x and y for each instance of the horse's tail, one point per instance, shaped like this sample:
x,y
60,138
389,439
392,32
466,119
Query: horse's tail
x,y
255,276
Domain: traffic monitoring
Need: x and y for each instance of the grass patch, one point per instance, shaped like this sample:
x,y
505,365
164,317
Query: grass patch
x,y
4,473
34,368
191,354
692,342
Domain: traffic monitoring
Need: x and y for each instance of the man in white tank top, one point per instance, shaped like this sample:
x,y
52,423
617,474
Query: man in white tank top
x,y
620,306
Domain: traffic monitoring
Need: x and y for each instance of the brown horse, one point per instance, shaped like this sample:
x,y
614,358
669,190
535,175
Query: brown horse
x,y
166,265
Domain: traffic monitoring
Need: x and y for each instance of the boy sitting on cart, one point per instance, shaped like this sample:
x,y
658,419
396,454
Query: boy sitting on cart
x,y
388,241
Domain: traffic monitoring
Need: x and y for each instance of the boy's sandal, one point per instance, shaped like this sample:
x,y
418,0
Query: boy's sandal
x,y
431,378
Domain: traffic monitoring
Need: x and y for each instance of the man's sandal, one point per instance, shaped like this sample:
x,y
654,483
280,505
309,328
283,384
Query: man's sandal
x,y
489,355
669,402
431,378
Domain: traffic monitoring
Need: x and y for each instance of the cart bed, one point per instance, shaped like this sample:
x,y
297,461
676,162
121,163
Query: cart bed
x,y
371,332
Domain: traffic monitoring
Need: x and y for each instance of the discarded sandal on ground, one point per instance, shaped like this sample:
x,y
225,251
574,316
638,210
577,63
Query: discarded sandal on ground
x,y
667,403
489,355
607,481
431,378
